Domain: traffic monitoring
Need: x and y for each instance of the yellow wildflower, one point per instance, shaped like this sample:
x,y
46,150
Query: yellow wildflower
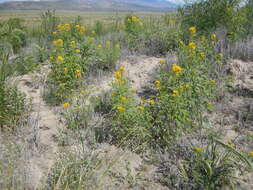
x,y
67,27
123,98
54,33
134,18
122,69
65,69
93,32
117,75
197,149
176,69
140,108
202,54
151,102
213,36
99,46
66,105
78,27
60,58
162,61
77,50
170,22
181,43
192,30
120,108
72,44
192,46
58,42
230,143
114,94
175,93
142,99
209,103
78,72
251,154
158,83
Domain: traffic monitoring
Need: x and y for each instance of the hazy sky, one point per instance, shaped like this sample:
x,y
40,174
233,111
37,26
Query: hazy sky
x,y
174,1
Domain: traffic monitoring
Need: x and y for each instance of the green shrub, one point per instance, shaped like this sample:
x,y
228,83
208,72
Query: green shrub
x,y
214,168
208,15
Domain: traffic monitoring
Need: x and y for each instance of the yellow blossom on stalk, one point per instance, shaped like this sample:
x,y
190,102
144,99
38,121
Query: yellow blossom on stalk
x,y
202,54
54,33
66,105
162,61
192,30
197,149
93,32
202,38
77,50
175,93
251,154
140,108
58,42
114,94
192,46
65,69
134,18
176,69
67,27
181,43
60,58
122,69
158,83
78,27
230,143
170,22
72,44
58,27
151,102
117,75
209,103
123,98
213,36
78,72
120,108
99,46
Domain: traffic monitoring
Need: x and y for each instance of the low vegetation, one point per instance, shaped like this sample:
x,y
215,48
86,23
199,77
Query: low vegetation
x,y
178,104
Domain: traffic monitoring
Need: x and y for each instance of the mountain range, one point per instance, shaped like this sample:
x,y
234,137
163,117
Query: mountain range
x,y
116,5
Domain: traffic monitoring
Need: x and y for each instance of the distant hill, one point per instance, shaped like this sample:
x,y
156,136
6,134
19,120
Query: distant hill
x,y
124,5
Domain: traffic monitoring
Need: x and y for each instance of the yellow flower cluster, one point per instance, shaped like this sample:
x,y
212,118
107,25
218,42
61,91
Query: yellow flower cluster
x,y
151,102
77,50
120,108
162,61
251,154
135,19
72,44
66,105
176,69
78,73
123,99
64,27
80,28
192,46
171,22
58,42
197,149
140,108
60,58
118,74
175,93
158,83
213,36
192,30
